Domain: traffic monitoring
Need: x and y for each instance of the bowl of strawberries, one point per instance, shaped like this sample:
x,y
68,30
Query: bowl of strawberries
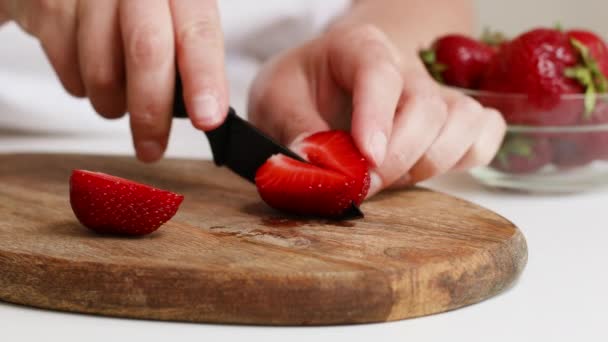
x,y
551,87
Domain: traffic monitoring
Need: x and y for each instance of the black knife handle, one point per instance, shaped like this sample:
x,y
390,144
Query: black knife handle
x,y
218,138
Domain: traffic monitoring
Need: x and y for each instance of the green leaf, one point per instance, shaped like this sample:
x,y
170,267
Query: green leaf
x,y
428,56
590,101
493,38
583,50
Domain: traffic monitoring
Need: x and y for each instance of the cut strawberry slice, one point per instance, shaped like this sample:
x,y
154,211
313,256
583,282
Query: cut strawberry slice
x,y
335,150
336,178
112,205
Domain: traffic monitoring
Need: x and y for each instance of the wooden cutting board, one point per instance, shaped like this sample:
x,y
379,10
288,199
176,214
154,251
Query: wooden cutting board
x,y
227,257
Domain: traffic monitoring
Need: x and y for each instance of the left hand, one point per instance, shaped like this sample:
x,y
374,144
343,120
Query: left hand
x,y
406,125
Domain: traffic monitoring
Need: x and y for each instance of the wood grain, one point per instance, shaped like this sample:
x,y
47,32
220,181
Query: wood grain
x,y
228,258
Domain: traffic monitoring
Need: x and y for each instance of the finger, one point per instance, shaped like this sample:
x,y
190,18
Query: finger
x,y
148,44
4,17
54,23
418,122
284,115
487,144
101,57
365,64
466,119
200,57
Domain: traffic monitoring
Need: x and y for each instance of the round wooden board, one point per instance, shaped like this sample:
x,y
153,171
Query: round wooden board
x,y
226,257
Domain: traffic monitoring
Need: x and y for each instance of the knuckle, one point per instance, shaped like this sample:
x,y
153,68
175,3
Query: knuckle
x,y
390,72
149,47
48,6
369,33
434,165
145,122
436,106
399,162
203,29
102,78
466,105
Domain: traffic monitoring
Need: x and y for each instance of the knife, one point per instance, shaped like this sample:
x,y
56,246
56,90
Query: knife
x,y
241,147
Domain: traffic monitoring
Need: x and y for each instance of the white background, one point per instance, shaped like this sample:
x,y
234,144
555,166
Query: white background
x,y
560,297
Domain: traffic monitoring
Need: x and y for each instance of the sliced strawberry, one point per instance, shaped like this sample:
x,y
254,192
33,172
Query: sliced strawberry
x,y
304,189
336,178
335,150
112,205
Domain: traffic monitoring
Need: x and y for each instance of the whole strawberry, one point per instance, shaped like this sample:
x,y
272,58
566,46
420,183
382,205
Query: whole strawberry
x,y
598,140
596,45
457,60
545,64
535,64
572,150
113,205
522,154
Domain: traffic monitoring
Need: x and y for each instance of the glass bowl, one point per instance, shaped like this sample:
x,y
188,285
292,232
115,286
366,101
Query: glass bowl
x,y
555,145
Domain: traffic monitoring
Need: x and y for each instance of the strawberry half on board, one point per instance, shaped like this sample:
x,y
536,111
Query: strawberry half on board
x,y
336,177
112,205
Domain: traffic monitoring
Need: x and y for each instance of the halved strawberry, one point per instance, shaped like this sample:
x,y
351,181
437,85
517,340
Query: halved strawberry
x,y
112,205
335,150
336,178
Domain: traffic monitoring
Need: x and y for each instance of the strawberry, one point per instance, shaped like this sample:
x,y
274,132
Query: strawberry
x,y
521,154
457,60
336,177
597,47
572,150
598,140
535,64
113,205
545,64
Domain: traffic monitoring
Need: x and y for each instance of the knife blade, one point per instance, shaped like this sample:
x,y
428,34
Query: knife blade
x,y
240,146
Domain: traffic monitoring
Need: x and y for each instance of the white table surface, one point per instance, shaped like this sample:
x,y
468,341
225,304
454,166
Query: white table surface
x,y
560,297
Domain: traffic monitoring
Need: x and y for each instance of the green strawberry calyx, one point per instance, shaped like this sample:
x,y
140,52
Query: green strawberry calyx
x,y
589,75
515,145
436,69
493,38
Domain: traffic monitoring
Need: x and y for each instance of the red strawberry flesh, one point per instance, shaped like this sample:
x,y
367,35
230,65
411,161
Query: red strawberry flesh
x,y
335,150
336,177
112,205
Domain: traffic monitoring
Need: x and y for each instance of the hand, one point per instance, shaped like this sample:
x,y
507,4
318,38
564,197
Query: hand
x,y
122,55
407,127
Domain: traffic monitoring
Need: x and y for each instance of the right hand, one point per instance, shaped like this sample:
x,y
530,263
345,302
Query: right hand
x,y
122,55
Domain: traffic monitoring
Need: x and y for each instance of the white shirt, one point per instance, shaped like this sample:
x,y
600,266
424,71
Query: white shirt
x,y
37,114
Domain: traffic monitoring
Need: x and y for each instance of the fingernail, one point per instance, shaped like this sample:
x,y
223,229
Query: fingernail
x,y
377,146
148,150
207,110
375,184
